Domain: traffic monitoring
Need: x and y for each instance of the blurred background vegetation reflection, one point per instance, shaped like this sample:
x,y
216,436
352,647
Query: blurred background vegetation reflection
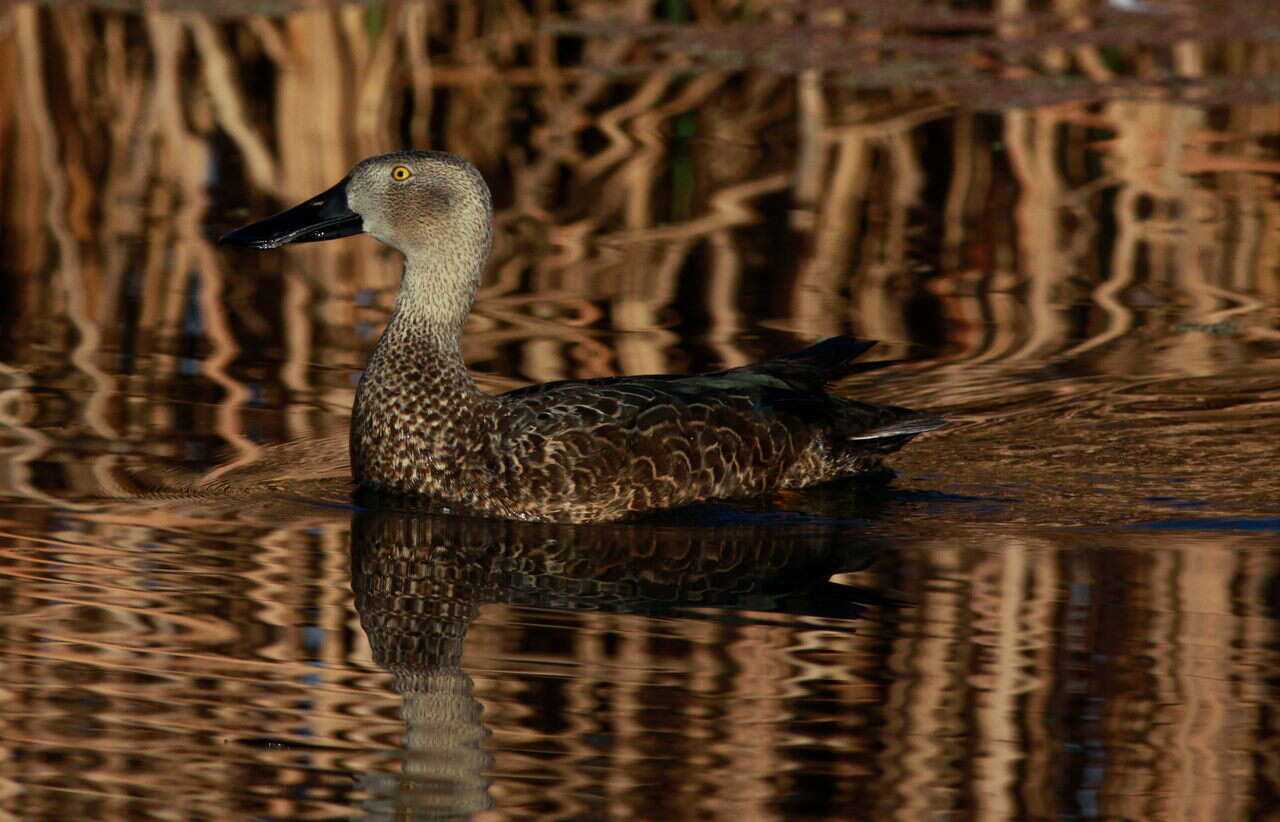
x,y
1062,214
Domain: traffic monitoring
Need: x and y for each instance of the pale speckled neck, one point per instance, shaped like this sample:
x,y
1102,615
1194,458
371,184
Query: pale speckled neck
x,y
437,289
425,336
436,293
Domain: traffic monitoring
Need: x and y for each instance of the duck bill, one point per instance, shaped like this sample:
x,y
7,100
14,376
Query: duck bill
x,y
325,216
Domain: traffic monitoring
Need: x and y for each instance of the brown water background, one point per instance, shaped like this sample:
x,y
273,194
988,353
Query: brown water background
x,y
1064,215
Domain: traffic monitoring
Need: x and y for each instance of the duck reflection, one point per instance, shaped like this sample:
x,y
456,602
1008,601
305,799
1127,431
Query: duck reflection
x,y
420,579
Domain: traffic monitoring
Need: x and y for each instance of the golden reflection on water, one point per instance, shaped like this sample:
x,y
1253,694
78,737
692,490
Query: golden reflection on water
x,y
1066,217
648,221
631,671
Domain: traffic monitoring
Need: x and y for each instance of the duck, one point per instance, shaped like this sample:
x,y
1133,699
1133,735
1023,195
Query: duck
x,y
585,450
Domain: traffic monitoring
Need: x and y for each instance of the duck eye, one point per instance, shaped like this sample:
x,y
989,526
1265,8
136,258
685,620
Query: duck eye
x,y
401,173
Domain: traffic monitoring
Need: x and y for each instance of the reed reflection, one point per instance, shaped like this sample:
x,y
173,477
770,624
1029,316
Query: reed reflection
x,y
420,579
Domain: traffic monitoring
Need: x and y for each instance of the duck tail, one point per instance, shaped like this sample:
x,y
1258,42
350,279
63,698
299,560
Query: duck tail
x,y
902,423
834,357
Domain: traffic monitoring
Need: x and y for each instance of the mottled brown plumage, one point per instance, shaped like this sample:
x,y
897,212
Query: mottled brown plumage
x,y
574,450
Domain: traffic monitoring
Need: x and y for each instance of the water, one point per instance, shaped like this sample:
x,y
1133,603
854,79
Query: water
x,y
1063,607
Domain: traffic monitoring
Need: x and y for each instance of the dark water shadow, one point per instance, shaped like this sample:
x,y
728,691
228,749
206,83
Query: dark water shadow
x,y
421,579
1258,524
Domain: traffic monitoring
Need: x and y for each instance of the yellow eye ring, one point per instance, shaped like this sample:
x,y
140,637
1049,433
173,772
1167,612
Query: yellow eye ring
x,y
401,173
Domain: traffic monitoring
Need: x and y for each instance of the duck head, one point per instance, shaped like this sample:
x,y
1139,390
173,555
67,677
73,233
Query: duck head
x,y
408,200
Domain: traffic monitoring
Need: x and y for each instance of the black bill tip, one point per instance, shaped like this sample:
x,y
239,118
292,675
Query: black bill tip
x,y
325,216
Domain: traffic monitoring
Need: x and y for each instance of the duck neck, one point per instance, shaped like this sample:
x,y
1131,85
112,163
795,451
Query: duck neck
x,y
423,340
417,406
437,291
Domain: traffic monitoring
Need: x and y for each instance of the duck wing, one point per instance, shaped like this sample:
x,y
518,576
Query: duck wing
x,y
659,440
792,385
807,370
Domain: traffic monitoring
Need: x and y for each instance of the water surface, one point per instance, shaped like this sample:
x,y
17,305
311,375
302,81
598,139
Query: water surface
x,y
1063,219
